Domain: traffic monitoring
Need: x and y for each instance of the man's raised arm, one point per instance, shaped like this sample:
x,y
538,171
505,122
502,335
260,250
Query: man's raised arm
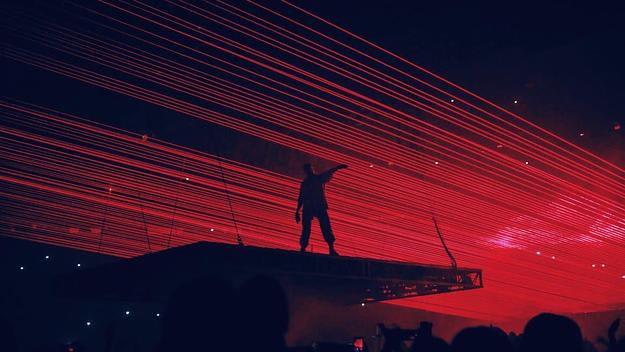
x,y
326,176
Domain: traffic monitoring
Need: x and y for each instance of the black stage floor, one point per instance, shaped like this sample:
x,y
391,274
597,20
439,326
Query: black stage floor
x,y
349,280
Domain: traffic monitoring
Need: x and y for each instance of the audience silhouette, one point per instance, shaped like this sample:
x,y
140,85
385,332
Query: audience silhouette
x,y
201,316
548,332
481,338
264,315
210,314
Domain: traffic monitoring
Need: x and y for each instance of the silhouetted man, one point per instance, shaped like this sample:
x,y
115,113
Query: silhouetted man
x,y
312,197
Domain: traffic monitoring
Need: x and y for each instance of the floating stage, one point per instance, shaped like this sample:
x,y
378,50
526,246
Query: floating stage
x,y
341,279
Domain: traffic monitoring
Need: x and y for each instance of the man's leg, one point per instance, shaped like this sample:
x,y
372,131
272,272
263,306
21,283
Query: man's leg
x,y
326,230
306,222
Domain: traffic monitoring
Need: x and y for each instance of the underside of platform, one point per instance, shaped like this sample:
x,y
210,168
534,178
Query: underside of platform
x,y
350,280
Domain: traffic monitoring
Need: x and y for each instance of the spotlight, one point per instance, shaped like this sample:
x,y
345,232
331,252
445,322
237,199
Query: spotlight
x,y
553,257
527,163
158,314
581,134
21,268
593,265
436,163
78,265
186,179
538,252
88,323
603,265
127,312
623,277
47,257
499,146
452,100
616,126
516,101
362,304
212,230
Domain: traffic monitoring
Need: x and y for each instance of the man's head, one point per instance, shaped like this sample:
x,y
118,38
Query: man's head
x,y
308,169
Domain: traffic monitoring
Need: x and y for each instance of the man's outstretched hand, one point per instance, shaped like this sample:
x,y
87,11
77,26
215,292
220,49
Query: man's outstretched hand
x,y
297,218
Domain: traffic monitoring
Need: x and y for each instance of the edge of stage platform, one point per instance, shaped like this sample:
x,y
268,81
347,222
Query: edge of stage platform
x,y
351,279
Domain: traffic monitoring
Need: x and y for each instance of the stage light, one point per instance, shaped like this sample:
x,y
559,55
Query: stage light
x,y
127,312
370,165
538,252
362,304
21,268
452,100
212,230
553,257
186,179
88,323
623,277
516,101
47,257
581,134
436,163
616,126
593,265
158,314
603,265
499,146
527,163
78,265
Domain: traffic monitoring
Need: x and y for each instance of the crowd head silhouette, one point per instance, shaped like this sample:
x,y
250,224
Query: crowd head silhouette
x,y
212,314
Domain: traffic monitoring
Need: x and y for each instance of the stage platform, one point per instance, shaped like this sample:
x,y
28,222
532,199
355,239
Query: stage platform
x,y
350,280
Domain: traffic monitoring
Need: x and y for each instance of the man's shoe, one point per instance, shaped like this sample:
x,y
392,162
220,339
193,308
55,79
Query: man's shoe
x,y
333,252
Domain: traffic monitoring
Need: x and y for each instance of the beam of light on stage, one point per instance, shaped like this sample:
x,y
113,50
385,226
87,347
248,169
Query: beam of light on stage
x,y
541,216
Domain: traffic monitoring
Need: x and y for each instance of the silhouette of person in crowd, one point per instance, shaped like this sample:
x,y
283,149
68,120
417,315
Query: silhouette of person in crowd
x,y
313,199
264,315
551,332
481,338
201,315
